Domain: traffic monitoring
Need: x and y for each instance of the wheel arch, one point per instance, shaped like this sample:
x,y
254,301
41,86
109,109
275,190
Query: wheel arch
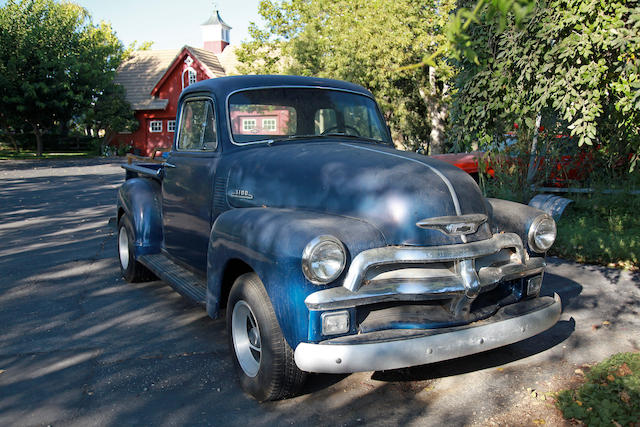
x,y
140,199
234,268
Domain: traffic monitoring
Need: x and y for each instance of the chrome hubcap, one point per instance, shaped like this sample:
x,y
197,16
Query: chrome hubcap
x,y
123,247
246,338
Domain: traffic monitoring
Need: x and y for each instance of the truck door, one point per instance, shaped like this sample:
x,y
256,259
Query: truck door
x,y
187,186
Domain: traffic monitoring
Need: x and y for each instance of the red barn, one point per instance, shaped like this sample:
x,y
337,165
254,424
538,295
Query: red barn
x,y
153,80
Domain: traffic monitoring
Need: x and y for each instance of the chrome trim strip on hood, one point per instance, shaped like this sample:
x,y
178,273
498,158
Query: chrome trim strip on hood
x,y
452,191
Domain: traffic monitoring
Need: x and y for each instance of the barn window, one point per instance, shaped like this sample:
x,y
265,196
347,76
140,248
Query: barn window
x,y
269,125
193,77
155,126
171,125
248,124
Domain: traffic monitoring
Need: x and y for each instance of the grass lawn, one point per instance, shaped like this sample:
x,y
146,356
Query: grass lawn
x,y
601,229
596,228
26,154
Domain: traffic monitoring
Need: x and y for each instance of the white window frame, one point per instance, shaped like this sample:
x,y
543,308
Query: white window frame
x,y
171,125
157,124
193,76
272,124
252,122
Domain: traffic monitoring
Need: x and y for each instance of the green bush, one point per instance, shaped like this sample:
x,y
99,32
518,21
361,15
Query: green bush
x,y
610,396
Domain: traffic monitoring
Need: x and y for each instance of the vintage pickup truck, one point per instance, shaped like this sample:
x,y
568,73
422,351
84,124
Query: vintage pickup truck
x,y
284,205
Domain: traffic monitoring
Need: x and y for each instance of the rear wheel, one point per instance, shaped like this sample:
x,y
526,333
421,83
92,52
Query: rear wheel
x,y
263,359
131,269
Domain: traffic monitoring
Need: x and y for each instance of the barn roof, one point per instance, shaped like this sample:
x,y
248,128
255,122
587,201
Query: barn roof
x,y
144,70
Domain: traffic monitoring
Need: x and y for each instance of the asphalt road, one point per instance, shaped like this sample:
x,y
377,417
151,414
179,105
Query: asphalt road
x,y
80,347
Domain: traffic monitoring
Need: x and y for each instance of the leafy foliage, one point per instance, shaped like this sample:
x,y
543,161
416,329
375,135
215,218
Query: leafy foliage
x,y
611,395
55,65
574,63
365,42
459,40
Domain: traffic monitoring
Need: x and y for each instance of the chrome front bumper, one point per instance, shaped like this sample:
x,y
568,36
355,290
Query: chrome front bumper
x,y
505,327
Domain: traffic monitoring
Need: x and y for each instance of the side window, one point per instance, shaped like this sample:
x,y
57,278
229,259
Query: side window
x,y
197,126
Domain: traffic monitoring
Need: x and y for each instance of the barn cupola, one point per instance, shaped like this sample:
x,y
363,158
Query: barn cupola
x,y
215,33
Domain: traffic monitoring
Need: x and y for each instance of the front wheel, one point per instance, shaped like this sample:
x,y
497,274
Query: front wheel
x,y
130,268
263,359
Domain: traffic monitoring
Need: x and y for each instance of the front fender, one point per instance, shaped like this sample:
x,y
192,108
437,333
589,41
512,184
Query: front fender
x,y
271,242
141,200
507,216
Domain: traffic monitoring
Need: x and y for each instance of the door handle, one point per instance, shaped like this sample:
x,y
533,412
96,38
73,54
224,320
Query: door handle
x,y
169,165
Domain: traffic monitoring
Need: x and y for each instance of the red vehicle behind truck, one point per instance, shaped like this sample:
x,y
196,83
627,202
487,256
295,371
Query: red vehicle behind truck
x,y
573,166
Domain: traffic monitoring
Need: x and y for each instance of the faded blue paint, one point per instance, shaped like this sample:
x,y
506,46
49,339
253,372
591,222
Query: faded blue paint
x,y
141,201
187,194
390,189
271,241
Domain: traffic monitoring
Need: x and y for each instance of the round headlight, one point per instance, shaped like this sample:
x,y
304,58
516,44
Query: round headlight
x,y
323,259
542,233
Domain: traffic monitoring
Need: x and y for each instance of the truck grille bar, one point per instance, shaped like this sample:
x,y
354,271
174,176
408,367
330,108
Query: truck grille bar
x,y
371,258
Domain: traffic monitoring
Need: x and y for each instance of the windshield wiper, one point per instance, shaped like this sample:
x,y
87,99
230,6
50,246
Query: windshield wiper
x,y
288,138
348,135
333,134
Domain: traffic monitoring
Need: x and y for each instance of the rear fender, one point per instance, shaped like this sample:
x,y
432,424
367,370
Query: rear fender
x,y
141,200
271,242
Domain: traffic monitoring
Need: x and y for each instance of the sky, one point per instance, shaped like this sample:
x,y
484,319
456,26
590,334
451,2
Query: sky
x,y
170,24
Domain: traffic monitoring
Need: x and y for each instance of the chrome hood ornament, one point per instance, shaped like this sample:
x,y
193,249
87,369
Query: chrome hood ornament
x,y
454,225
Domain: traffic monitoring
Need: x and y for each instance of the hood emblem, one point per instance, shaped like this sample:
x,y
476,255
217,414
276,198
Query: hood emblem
x,y
454,225
241,194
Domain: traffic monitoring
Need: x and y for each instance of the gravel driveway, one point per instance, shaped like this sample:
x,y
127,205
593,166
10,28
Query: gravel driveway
x,y
79,346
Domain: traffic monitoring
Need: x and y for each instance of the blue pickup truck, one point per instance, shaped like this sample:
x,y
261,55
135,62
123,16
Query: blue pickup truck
x,y
283,205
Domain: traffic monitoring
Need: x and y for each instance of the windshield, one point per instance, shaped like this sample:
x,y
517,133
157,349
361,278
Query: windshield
x,y
283,113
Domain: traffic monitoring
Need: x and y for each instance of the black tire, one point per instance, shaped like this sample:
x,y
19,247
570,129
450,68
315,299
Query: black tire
x,y
269,373
130,268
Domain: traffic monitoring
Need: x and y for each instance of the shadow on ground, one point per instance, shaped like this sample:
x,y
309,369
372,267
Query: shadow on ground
x,y
79,346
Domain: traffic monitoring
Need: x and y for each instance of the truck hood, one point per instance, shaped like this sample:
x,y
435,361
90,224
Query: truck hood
x,y
390,189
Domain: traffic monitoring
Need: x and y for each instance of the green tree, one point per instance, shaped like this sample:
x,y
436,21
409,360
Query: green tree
x,y
111,113
54,63
573,67
366,42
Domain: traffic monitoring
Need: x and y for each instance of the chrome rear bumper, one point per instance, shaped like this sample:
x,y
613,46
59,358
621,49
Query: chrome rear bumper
x,y
505,327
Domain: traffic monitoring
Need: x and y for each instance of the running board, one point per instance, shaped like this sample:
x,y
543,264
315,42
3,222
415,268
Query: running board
x,y
182,280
